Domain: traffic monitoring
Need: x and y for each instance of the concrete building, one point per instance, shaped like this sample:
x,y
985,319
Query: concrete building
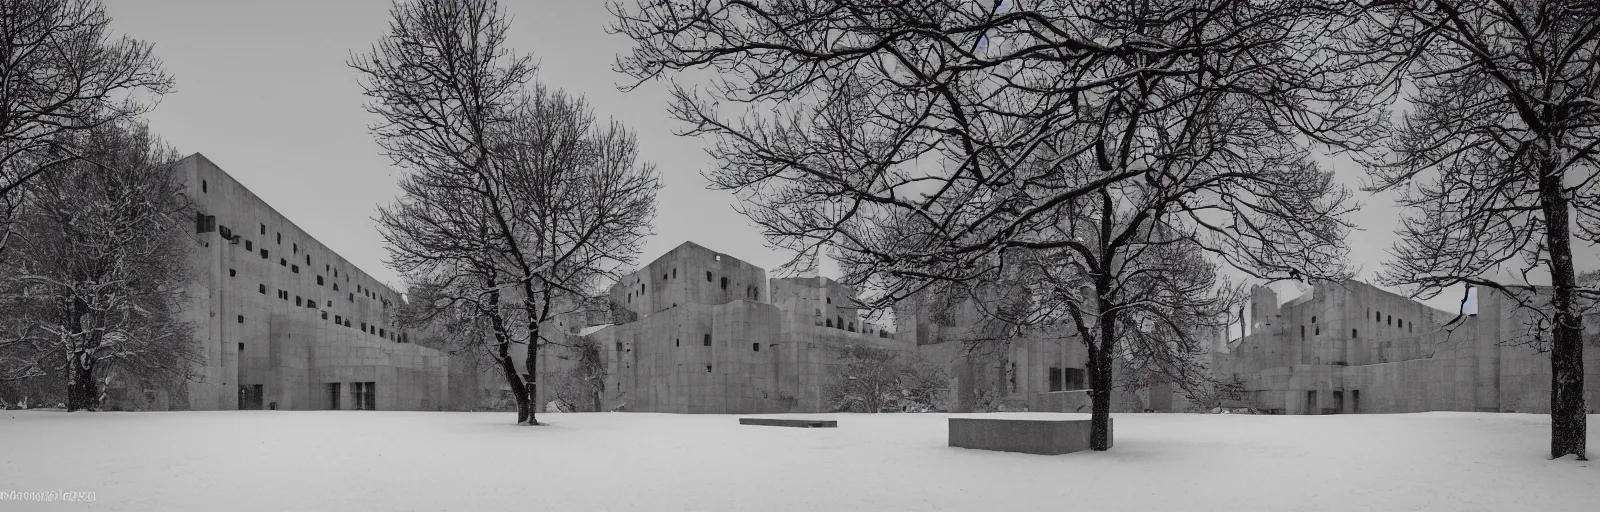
x,y
698,331
283,321
1353,348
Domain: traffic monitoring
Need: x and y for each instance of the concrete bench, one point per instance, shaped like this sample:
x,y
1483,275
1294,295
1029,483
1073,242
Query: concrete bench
x,y
789,423
1040,437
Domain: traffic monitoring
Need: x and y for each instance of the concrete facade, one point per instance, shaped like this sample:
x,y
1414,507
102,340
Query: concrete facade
x,y
1353,348
283,321
698,331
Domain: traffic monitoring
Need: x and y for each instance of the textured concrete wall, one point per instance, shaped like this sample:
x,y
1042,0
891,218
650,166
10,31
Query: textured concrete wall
x,y
689,274
1402,357
268,302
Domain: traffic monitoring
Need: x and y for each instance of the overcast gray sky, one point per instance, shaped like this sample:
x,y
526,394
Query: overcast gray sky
x,y
264,92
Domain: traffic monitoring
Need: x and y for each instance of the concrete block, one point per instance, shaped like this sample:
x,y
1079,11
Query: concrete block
x,y
1040,437
801,423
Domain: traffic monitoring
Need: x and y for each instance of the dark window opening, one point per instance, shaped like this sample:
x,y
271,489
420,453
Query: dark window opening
x,y
755,346
830,300
338,319
294,269
852,327
1302,332
1313,319
298,302
708,368
677,342
263,229
663,277
1318,330
381,334
724,283
674,273
829,322
324,315
708,276
264,254
203,187
1388,320
335,286
708,340
1352,333
619,346
319,280
204,223
280,238
241,319
1076,378
363,326
283,262
296,248
249,246
262,288
232,272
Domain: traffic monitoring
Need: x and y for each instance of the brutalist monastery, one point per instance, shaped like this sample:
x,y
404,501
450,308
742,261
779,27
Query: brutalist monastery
x,y
288,324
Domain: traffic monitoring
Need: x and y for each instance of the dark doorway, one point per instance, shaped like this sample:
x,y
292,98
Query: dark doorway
x,y
1355,400
365,395
250,396
1338,402
1311,402
333,396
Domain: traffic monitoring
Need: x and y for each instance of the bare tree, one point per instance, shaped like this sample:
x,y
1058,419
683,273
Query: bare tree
x,y
550,200
61,71
920,141
1495,161
875,379
97,275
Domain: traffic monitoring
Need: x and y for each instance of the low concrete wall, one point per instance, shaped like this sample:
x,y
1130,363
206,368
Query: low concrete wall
x,y
1040,437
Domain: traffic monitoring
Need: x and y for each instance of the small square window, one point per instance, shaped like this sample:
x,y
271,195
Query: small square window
x,y
319,280
294,269
335,286
337,319
232,272
381,334
755,347
264,254
298,302
324,315
283,262
707,340
241,319
262,288
249,246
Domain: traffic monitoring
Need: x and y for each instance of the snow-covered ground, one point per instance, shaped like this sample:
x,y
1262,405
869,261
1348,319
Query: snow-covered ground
x,y
346,461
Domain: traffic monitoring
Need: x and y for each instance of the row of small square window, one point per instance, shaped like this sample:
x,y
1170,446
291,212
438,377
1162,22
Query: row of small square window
x,y
706,341
207,223
750,292
370,329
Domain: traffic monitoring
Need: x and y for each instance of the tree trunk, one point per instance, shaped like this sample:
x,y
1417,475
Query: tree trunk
x,y
502,354
1568,427
1100,389
83,393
